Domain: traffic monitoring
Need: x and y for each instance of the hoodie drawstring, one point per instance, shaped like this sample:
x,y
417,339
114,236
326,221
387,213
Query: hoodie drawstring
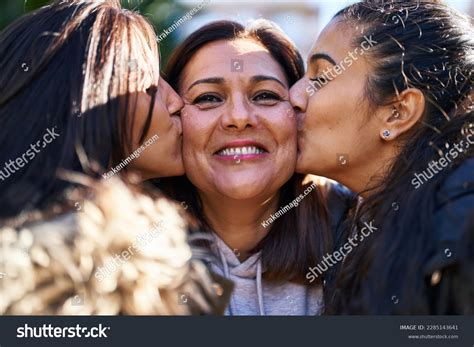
x,y
227,276
259,284
259,287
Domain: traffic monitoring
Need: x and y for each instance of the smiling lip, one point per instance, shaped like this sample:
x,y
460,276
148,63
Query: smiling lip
x,y
241,149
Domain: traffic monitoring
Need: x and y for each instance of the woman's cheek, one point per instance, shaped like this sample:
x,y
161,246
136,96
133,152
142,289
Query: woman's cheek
x,y
286,119
282,113
285,131
197,130
191,119
281,122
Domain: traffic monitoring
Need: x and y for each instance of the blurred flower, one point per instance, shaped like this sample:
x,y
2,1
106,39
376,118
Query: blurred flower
x,y
68,252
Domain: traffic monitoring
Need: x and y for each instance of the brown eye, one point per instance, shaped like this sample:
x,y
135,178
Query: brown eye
x,y
267,98
207,99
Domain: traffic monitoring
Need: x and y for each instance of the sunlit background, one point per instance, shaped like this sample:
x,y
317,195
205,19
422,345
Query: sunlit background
x,y
301,20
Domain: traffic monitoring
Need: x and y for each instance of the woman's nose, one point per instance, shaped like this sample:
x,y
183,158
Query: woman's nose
x,y
299,96
239,115
173,101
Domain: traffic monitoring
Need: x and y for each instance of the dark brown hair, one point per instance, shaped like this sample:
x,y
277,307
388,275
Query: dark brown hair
x,y
299,238
72,66
430,47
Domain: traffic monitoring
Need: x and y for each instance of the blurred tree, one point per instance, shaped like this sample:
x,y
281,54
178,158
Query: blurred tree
x,y
9,11
30,5
161,13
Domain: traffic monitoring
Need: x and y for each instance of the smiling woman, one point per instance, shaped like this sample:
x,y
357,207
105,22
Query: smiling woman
x,y
87,73
243,116
239,153
402,106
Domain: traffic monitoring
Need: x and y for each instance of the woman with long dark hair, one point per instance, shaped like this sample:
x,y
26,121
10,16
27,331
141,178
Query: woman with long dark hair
x,y
266,225
82,77
389,87
81,103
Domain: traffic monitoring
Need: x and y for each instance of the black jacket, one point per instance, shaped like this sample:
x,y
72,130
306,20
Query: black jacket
x,y
448,271
454,257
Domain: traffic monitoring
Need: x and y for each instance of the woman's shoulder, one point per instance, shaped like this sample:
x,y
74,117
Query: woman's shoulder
x,y
338,198
454,200
335,193
459,183
450,266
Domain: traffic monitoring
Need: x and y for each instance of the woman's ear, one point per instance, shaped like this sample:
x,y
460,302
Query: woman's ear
x,y
401,116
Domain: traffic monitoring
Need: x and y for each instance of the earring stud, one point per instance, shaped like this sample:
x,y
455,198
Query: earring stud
x,y
386,134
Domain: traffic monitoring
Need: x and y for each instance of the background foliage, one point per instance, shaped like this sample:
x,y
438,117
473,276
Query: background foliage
x,y
161,13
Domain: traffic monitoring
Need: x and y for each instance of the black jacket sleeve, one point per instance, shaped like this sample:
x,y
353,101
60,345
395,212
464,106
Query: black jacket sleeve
x,y
450,270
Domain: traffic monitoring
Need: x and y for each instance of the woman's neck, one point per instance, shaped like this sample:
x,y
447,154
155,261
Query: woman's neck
x,y
365,179
239,222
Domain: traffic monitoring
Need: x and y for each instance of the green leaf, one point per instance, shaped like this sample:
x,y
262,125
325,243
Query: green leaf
x,y
31,5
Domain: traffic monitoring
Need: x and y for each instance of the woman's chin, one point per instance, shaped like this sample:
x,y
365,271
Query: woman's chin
x,y
241,190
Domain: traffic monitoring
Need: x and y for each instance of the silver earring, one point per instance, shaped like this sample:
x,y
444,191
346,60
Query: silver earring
x,y
386,134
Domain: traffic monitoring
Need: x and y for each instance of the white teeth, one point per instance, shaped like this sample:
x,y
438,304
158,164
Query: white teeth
x,y
240,151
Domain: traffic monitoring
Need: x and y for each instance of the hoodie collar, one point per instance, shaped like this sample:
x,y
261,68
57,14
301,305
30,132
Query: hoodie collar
x,y
245,269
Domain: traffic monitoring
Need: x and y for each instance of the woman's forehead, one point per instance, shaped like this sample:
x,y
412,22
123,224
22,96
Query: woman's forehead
x,y
232,58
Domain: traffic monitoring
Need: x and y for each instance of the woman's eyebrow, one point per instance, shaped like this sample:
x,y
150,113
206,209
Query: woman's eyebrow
x,y
324,56
260,78
211,80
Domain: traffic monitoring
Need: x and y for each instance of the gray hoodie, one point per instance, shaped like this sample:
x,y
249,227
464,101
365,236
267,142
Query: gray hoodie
x,y
254,296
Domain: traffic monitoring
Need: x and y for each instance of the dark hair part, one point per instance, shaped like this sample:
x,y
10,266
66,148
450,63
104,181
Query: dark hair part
x,y
298,239
67,67
427,46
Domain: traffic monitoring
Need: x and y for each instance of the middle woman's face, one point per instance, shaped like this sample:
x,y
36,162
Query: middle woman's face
x,y
239,132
